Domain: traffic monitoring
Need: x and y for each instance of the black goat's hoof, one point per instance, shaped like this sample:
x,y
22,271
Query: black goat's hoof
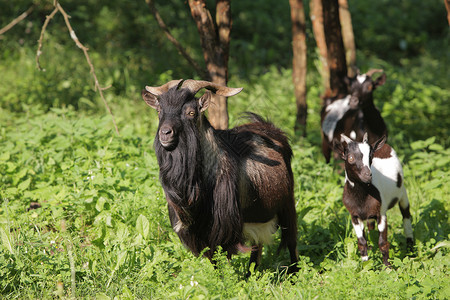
x,y
293,269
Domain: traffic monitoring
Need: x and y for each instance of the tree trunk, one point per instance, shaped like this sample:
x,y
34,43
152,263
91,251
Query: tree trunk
x,y
299,62
447,7
348,37
316,15
215,41
335,46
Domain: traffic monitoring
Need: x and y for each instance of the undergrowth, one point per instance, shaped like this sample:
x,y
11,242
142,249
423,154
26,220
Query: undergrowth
x,y
81,205
82,213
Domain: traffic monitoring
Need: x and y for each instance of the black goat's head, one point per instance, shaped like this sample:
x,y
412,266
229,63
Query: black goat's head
x,y
178,108
361,86
358,156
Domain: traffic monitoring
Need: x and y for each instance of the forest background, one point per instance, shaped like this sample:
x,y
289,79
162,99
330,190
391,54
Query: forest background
x,y
82,213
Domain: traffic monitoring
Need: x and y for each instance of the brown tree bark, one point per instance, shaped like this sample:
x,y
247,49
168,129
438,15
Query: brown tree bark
x,y
299,62
215,41
316,15
447,7
348,37
335,46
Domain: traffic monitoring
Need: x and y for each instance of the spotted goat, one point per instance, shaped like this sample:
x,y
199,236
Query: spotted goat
x,y
374,183
353,114
223,187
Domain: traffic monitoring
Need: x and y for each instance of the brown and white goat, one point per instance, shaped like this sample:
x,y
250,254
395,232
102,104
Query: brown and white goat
x,y
354,114
373,184
223,187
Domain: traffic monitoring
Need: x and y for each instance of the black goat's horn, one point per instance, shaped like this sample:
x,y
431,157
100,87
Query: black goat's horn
x,y
195,85
346,139
373,71
158,90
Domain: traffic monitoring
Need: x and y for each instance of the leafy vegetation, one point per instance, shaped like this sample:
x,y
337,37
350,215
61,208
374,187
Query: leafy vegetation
x,y
101,229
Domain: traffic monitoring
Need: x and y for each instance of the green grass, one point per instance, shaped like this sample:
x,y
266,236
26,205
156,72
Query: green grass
x,y
103,225
102,229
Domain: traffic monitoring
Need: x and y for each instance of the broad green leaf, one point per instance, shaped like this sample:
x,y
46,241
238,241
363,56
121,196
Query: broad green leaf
x,y
102,296
98,179
121,259
436,147
11,167
100,204
21,173
51,162
433,184
122,233
142,226
6,239
5,156
66,165
422,144
24,184
443,244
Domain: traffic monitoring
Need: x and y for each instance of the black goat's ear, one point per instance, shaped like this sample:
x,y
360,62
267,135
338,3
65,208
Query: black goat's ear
x,y
338,147
379,143
348,81
204,101
380,80
150,99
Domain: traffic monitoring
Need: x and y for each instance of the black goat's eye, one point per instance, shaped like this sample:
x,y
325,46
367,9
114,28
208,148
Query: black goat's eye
x,y
191,113
351,158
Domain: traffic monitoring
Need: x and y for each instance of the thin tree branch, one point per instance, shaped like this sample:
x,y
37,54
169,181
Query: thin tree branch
x,y
74,37
17,20
41,37
201,71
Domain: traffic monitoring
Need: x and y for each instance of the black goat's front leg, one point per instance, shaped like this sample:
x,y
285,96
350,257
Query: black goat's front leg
x,y
255,257
383,244
293,268
404,209
358,225
370,225
326,149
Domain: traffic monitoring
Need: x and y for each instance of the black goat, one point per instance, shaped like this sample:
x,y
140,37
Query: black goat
x,y
223,187
354,114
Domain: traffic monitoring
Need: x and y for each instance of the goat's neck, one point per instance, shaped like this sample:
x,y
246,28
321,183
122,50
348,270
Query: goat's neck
x,y
368,105
210,150
361,191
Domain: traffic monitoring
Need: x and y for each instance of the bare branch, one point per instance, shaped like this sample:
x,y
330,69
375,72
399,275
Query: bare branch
x,y
202,72
17,20
74,37
41,37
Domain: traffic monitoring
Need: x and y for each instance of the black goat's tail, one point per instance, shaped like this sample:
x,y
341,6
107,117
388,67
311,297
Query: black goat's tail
x,y
255,118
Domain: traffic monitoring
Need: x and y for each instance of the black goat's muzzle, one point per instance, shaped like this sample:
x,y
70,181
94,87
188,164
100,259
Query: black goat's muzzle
x,y
366,175
168,138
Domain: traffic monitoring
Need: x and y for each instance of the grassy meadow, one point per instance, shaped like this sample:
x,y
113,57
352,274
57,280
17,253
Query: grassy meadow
x,y
82,213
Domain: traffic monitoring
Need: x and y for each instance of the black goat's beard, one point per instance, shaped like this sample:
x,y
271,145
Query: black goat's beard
x,y
180,173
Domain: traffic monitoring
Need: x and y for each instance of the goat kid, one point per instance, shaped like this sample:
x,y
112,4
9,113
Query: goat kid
x,y
373,184
354,114
223,187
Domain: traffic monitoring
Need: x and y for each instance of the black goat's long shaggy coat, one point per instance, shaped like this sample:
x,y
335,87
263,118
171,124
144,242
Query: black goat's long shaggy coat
x,y
217,180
